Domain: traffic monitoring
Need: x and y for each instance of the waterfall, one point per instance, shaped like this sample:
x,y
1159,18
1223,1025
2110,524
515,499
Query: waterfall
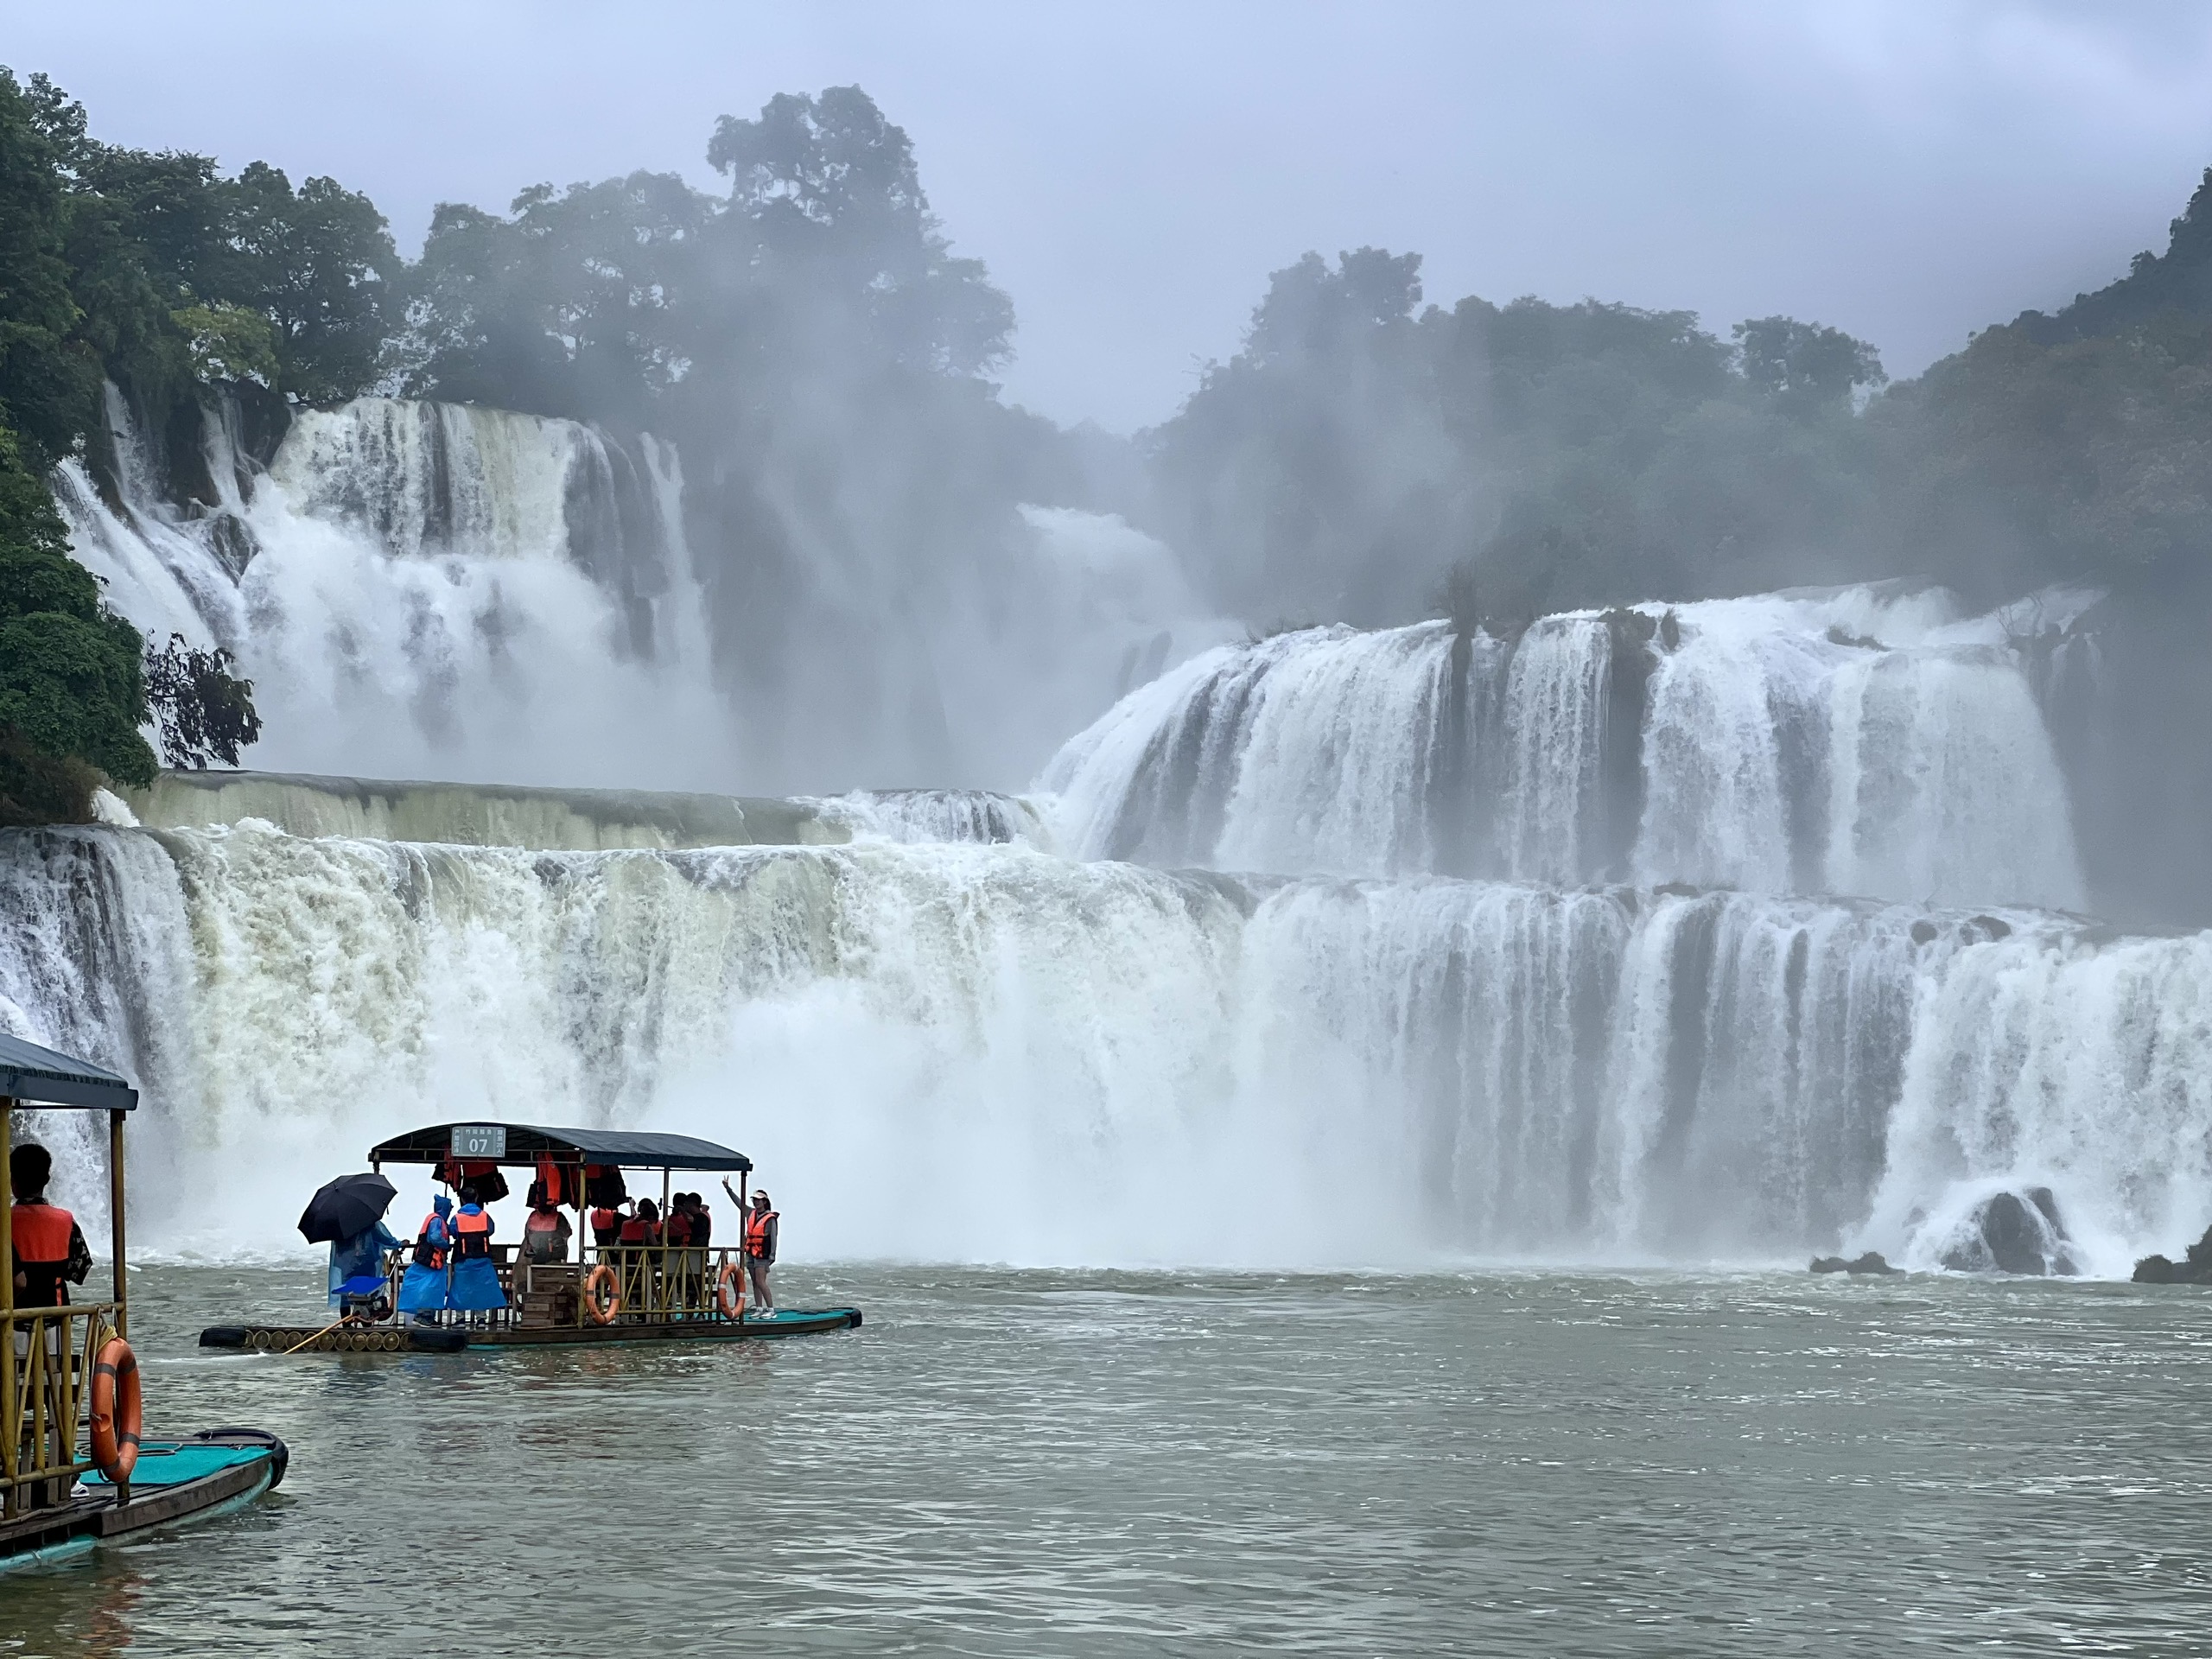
x,y
919,814
1522,943
425,590
1771,744
985,1052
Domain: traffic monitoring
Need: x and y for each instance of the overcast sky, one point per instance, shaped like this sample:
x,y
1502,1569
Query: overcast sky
x,y
1131,172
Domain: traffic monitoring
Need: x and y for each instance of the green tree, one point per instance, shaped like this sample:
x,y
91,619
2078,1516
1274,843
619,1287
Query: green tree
x,y
319,263
72,687
48,386
1809,368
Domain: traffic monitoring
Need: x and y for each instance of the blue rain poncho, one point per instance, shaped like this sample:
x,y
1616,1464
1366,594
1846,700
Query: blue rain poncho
x,y
428,1290
476,1283
359,1257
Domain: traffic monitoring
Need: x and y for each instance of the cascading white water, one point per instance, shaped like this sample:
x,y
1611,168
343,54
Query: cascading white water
x,y
1776,745
985,1052
919,815
426,590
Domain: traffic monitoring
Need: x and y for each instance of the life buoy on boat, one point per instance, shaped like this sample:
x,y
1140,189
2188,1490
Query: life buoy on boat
x,y
602,1295
118,1415
729,1291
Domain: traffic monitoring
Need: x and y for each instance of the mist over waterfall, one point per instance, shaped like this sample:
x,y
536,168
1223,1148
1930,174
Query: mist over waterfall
x,y
447,591
1861,741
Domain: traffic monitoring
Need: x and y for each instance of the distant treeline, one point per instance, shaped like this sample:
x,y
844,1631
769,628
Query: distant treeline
x,y
1364,459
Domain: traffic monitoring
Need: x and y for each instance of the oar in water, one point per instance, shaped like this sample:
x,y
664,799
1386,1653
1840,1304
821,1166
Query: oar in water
x,y
343,1320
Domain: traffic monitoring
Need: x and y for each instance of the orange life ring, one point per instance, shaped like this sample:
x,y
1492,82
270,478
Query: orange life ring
x,y
602,1295
729,1291
118,1415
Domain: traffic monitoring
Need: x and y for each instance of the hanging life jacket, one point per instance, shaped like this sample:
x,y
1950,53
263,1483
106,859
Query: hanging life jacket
x,y
471,1235
430,1243
757,1236
541,1235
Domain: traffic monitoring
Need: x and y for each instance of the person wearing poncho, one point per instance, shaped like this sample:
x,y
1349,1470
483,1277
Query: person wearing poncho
x,y
475,1276
428,1287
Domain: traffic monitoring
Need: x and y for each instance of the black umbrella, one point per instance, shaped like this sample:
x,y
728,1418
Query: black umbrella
x,y
350,1204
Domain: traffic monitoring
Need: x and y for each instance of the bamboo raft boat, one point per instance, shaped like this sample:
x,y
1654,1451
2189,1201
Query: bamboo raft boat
x,y
75,1468
610,1294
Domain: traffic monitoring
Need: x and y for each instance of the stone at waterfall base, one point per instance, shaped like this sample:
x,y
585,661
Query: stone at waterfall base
x,y
1870,1262
2016,1233
2194,1268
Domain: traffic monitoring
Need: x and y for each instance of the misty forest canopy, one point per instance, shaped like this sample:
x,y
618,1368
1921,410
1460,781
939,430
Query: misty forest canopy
x,y
806,337
1365,458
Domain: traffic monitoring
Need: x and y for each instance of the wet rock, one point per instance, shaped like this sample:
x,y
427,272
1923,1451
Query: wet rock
x,y
2194,1269
1872,1261
1991,928
2013,1232
1924,932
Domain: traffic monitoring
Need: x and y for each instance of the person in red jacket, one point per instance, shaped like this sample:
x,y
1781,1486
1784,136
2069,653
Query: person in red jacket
x,y
49,1247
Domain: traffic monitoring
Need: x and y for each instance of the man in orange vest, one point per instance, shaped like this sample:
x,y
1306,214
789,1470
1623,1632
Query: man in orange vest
x,y
49,1247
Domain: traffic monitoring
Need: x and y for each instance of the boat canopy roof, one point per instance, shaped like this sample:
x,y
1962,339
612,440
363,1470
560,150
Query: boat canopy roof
x,y
40,1076
525,1143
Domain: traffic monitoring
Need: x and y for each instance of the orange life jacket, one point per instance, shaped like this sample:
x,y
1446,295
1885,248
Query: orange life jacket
x,y
41,1231
548,1175
428,1252
605,1225
545,1220
471,1235
757,1222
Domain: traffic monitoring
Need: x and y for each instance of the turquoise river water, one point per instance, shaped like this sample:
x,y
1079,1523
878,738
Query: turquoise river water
x,y
1015,1463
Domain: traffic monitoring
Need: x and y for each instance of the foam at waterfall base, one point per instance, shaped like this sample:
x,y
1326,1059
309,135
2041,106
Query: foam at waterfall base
x,y
980,1051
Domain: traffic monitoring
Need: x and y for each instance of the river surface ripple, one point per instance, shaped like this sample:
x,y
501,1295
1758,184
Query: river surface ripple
x,y
1007,1462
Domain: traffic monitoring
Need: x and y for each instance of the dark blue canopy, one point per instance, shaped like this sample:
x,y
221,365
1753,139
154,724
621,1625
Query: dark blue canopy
x,y
40,1076
528,1142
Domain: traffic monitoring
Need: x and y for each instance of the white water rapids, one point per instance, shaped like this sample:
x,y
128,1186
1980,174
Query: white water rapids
x,y
1331,949
983,1052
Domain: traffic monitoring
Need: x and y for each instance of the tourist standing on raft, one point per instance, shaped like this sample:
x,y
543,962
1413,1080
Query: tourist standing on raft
x,y
428,1287
760,1228
475,1276
49,1247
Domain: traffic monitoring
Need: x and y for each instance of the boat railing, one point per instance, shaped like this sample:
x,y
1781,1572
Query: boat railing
x,y
660,1283
657,1283
46,1378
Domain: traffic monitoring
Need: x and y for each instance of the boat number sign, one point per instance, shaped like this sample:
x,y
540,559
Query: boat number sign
x,y
479,1139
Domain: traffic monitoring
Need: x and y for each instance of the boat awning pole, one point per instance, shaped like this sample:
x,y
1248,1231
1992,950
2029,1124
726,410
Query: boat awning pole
x,y
11,1431
115,1207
